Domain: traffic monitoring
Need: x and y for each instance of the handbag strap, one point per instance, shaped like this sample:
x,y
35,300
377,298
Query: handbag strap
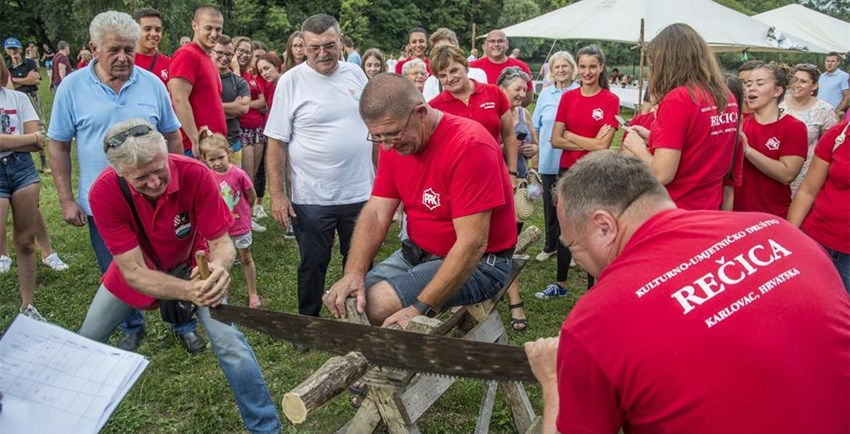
x,y
144,243
153,62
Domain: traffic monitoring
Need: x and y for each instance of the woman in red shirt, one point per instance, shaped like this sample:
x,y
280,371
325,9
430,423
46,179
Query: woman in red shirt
x,y
484,103
821,207
585,122
269,67
417,45
251,123
692,139
775,146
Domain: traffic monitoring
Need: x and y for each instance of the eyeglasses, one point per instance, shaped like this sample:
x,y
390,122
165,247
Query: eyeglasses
x,y
496,41
417,73
242,52
222,53
390,138
119,139
315,49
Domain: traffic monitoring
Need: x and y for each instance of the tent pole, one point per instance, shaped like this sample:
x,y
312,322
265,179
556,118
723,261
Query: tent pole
x,y
472,40
547,56
640,74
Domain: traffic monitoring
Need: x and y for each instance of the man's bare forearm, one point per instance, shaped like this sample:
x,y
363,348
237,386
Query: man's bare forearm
x,y
60,165
276,167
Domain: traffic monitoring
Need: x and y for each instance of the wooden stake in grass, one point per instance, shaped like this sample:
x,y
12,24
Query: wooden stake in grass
x,y
327,382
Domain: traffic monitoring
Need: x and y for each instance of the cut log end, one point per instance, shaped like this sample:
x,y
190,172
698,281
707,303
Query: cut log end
x,y
327,382
294,408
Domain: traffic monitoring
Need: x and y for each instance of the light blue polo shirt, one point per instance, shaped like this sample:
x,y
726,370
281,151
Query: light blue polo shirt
x,y
85,108
543,119
831,87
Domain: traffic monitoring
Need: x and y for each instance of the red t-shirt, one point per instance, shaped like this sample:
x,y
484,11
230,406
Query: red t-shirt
x,y
234,186
160,68
190,62
459,173
400,65
643,120
829,220
786,137
494,70
190,209
705,136
487,104
254,118
585,115
269,92
709,322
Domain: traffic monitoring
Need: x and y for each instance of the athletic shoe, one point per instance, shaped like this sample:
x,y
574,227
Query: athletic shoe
x,y
256,227
289,234
54,262
259,212
551,291
32,313
5,263
544,256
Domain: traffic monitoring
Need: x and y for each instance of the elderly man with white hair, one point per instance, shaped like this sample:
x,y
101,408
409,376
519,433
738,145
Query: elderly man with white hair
x,y
154,209
111,89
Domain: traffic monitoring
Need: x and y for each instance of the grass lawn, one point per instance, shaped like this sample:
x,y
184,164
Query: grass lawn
x,y
188,394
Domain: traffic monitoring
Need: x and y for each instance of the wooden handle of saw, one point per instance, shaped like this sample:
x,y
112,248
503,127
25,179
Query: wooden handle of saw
x,y
201,260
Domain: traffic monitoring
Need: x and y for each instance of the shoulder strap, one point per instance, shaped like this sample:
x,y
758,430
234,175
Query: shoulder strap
x,y
144,243
153,62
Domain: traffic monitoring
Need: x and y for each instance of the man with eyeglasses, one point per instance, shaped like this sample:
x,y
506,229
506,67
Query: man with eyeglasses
x,y
148,56
194,82
111,89
235,94
700,321
155,210
449,173
314,127
495,60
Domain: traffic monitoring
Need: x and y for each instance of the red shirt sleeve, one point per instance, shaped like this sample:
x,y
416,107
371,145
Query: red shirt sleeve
x,y
671,122
563,105
587,401
384,185
796,141
612,110
475,178
184,66
826,144
502,101
245,182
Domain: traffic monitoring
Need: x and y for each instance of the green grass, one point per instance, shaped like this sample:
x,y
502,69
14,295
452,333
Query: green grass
x,y
188,394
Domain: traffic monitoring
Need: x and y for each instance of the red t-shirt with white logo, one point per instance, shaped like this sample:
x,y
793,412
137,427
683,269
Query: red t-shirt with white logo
x,y
487,104
705,136
160,68
829,220
193,64
585,115
460,172
758,192
709,322
257,86
190,209
494,70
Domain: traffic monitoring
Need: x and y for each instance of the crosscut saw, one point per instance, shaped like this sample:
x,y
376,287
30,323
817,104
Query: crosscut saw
x,y
385,347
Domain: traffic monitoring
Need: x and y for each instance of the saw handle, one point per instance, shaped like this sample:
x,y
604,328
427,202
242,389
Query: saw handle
x,y
203,267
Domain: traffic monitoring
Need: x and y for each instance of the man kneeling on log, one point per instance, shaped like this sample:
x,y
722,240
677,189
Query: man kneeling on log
x,y
450,175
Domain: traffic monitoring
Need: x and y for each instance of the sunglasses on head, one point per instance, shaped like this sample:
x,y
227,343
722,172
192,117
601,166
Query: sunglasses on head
x,y
119,139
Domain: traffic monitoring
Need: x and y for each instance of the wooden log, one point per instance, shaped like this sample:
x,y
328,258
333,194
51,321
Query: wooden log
x,y
327,382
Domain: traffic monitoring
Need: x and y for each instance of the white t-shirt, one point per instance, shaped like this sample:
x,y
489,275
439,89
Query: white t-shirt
x,y
318,116
15,109
432,84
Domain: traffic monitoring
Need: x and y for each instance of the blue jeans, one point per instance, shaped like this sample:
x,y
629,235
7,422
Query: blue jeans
x,y
487,278
314,232
134,322
842,264
234,355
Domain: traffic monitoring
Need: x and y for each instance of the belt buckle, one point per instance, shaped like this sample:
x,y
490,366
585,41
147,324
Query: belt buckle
x,y
490,259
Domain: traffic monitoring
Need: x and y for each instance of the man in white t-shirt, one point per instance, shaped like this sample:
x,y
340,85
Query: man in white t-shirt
x,y
315,127
444,36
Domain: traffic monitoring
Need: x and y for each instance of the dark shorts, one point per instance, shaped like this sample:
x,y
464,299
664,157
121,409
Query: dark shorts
x,y
490,274
16,172
253,136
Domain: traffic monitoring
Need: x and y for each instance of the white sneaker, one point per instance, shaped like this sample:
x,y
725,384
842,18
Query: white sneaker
x,y
544,256
54,262
5,264
32,313
256,227
259,212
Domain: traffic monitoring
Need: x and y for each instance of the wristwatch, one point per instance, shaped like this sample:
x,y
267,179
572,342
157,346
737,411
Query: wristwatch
x,y
424,308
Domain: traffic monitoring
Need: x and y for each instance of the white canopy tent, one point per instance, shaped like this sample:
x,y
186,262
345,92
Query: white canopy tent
x,y
722,28
821,29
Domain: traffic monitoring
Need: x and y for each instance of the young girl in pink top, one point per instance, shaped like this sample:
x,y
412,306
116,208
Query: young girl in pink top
x,y
238,193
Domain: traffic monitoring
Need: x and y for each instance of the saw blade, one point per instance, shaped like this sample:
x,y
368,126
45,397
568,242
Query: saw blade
x,y
386,347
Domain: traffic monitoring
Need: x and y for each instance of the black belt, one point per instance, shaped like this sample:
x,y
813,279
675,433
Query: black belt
x,y
415,255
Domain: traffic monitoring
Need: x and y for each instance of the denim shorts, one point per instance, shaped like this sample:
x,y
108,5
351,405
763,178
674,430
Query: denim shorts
x,y
16,172
490,274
